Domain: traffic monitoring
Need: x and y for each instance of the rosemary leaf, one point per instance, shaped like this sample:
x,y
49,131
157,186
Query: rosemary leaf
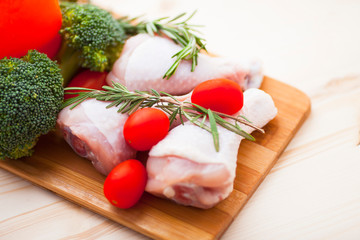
x,y
191,15
181,113
114,103
169,34
202,109
241,116
81,98
214,130
204,119
195,119
156,93
177,17
172,117
149,28
123,106
170,96
133,107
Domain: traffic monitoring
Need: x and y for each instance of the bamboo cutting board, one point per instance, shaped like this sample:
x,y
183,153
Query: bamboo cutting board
x,y
57,168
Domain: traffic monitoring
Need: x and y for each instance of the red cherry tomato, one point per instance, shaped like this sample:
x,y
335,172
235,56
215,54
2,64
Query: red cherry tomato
x,y
125,184
27,24
86,79
145,128
220,95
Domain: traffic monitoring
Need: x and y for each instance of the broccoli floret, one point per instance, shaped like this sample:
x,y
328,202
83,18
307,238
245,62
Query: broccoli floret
x,y
92,38
31,94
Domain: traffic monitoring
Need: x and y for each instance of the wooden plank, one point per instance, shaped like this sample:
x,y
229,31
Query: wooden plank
x,y
57,168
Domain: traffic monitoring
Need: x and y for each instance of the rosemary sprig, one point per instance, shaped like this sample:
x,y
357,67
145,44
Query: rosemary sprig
x,y
178,29
128,102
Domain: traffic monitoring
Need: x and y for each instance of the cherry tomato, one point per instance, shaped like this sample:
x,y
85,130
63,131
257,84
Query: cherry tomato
x,y
27,24
220,95
86,79
125,184
145,128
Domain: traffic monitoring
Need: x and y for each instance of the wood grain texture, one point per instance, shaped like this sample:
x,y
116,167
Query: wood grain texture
x,y
57,168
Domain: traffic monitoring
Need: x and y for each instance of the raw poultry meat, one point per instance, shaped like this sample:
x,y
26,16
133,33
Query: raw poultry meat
x,y
185,166
145,59
95,132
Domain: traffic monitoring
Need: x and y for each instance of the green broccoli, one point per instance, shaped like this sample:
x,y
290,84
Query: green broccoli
x,y
92,38
31,94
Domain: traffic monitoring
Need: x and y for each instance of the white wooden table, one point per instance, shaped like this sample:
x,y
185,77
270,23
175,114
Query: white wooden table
x,y
313,192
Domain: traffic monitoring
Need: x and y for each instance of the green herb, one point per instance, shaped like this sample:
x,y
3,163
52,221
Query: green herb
x,y
214,130
178,30
128,102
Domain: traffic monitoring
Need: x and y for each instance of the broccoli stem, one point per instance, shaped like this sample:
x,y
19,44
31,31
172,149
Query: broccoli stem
x,y
68,59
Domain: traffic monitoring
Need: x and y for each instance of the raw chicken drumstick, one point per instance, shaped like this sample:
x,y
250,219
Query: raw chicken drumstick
x,y
145,59
95,132
186,168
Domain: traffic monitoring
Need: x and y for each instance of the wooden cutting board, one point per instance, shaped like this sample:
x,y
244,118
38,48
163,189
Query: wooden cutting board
x,y
57,168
